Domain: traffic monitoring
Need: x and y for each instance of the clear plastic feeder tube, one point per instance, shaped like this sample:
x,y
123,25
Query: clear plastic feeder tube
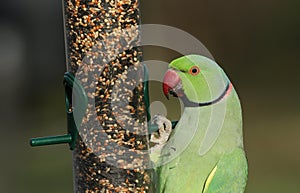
x,y
103,54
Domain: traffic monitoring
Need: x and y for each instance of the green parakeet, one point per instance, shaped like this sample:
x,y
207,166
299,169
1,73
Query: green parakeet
x,y
204,153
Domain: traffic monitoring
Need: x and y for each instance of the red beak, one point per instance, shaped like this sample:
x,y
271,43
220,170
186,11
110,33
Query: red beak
x,y
171,79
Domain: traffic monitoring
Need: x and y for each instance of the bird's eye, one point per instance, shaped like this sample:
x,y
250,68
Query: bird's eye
x,y
194,70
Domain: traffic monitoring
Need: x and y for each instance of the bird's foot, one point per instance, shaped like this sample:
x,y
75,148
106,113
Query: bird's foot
x,y
161,136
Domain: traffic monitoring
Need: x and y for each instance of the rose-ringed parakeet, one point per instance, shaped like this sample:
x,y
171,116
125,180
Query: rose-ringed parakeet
x,y
204,152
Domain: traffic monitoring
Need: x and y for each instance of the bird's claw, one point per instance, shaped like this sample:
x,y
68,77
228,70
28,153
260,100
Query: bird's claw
x,y
161,136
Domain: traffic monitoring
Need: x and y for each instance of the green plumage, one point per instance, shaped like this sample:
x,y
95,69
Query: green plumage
x,y
204,153
230,174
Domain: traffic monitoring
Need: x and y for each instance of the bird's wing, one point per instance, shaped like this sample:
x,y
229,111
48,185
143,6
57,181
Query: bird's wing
x,y
229,175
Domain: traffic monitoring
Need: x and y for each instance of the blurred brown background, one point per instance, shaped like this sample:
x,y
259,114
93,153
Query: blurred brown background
x,y
256,42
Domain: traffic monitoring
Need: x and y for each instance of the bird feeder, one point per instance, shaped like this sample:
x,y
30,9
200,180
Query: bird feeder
x,y
104,71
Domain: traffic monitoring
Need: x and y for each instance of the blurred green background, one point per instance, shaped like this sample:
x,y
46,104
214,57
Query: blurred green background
x,y
256,43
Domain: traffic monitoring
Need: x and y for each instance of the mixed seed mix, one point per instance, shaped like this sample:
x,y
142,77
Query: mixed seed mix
x,y
111,153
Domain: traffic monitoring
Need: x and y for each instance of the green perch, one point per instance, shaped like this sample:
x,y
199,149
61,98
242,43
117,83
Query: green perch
x,y
72,86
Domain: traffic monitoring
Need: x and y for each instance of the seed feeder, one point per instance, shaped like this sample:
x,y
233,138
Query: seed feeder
x,y
113,155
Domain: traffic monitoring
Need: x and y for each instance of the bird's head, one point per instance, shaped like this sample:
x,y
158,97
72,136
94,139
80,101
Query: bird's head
x,y
197,80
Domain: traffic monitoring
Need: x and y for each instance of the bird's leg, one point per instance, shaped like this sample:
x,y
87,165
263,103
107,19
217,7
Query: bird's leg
x,y
160,137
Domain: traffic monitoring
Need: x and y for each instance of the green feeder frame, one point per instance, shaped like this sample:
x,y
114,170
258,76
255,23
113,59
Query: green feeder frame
x,y
73,86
